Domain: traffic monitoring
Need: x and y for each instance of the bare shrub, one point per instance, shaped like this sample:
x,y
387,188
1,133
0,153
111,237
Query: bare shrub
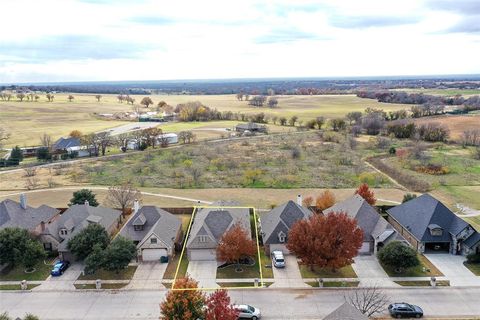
x,y
30,172
31,183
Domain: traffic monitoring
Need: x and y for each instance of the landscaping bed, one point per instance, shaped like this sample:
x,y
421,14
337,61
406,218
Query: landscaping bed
x,y
431,270
345,272
42,271
125,274
423,283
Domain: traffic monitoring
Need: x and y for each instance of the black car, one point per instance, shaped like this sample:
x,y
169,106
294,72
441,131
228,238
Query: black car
x,y
400,310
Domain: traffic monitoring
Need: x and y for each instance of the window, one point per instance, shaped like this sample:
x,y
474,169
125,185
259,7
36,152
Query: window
x,y
153,240
436,232
202,238
137,228
63,232
47,246
281,237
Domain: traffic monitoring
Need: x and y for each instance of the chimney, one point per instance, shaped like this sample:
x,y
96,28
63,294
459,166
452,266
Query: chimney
x,y
299,199
87,203
23,201
136,206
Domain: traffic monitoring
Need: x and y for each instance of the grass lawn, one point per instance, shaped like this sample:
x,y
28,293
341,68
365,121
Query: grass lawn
x,y
125,274
41,273
16,286
266,272
345,272
230,273
431,270
240,284
104,286
172,267
423,283
474,267
334,284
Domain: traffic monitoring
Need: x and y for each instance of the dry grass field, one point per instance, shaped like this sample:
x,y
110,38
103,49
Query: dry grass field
x,y
27,121
456,123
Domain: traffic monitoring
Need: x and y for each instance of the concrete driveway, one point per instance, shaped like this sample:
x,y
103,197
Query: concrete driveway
x,y
63,282
205,272
149,275
288,277
370,272
453,269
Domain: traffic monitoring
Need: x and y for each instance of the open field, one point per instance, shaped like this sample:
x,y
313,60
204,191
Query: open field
x,y
27,121
457,124
444,92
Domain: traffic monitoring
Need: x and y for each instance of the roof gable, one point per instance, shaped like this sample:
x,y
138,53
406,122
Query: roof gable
x,y
13,215
346,312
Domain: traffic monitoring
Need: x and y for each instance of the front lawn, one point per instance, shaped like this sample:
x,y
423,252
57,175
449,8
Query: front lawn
x,y
334,284
230,273
16,286
423,283
267,272
430,269
345,272
474,267
42,271
241,284
125,274
172,267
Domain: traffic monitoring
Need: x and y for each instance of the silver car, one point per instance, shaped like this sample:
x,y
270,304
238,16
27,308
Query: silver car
x,y
278,259
248,312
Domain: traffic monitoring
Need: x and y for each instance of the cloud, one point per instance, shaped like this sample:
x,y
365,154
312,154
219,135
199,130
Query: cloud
x,y
152,20
465,7
468,24
356,22
69,47
286,35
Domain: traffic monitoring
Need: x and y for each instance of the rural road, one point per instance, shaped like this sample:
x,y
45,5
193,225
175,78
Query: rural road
x,y
273,303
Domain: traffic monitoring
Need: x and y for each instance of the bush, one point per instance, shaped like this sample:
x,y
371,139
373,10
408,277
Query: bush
x,y
433,169
398,255
473,258
392,151
408,197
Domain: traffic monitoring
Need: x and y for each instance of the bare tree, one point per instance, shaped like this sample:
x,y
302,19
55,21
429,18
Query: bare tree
x,y
368,300
70,97
30,171
98,97
21,96
46,140
272,102
50,97
240,96
196,173
4,136
123,196
104,140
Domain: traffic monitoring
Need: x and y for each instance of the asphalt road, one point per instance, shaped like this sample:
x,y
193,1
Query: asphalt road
x,y
453,303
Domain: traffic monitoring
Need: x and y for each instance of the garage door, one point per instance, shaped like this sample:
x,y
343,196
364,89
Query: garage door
x,y
365,249
153,254
202,254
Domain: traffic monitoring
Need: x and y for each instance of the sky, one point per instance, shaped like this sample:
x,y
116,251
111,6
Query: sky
x,y
109,40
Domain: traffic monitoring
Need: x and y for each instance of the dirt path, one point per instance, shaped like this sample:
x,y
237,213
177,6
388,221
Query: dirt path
x,y
398,184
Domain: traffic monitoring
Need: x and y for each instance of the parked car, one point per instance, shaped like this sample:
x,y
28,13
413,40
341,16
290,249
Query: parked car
x,y
278,260
248,312
400,310
59,268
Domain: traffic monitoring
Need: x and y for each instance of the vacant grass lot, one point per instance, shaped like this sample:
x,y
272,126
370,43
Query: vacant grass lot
x,y
27,121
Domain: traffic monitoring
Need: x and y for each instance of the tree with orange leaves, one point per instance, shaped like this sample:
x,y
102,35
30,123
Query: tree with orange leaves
x,y
218,307
235,244
330,241
367,194
186,304
325,200
307,201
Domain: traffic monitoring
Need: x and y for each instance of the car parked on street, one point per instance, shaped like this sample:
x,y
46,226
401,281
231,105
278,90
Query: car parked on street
x,y
403,309
248,312
278,260
59,268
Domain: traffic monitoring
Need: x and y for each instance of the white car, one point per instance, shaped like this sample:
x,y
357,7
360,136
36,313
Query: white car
x,y
278,260
248,312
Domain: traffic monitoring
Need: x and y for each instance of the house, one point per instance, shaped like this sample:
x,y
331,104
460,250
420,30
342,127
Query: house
x,y
430,226
346,312
155,232
377,232
209,225
69,145
250,127
276,224
20,215
72,221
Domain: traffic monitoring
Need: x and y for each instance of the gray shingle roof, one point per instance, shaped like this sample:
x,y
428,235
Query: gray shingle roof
x,y
281,218
13,215
417,214
216,221
346,312
64,143
164,224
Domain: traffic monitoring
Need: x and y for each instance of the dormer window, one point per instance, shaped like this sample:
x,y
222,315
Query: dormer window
x,y
202,238
435,230
153,240
63,232
281,237
137,228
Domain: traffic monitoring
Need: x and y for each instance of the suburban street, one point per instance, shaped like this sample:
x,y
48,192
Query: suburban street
x,y
274,303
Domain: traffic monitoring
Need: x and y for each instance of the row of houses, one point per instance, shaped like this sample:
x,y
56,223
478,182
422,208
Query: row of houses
x,y
424,223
